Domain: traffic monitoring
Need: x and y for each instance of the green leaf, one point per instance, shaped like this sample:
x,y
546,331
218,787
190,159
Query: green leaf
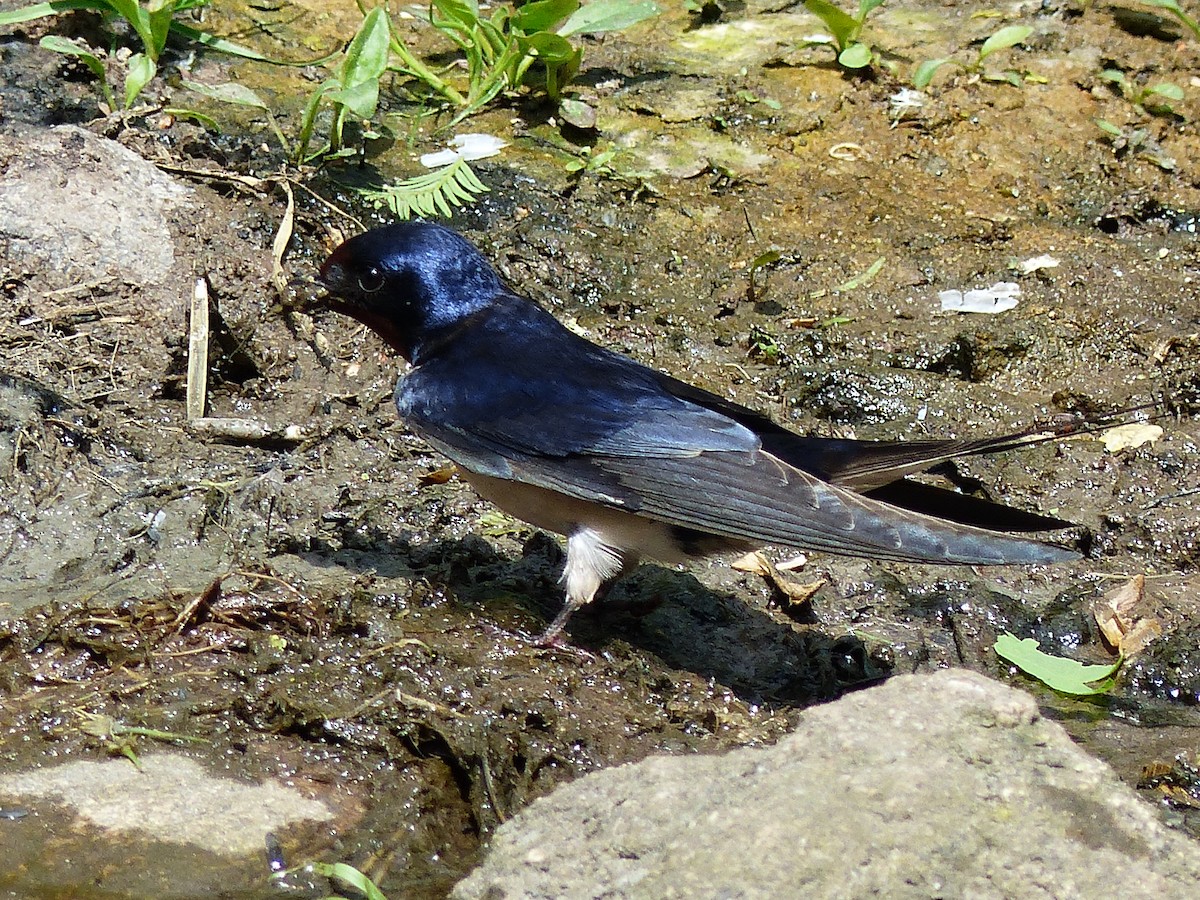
x,y
1108,127
551,48
1113,76
842,26
863,278
1003,39
366,58
1168,90
229,92
925,72
542,14
361,99
69,47
141,70
41,10
765,259
159,18
1064,675
351,876
856,56
600,16
180,113
139,20
866,7
431,194
464,12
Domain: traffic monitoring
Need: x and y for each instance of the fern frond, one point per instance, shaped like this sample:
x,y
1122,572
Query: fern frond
x,y
431,194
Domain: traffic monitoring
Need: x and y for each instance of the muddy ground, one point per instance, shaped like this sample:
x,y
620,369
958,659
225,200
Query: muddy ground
x,y
318,608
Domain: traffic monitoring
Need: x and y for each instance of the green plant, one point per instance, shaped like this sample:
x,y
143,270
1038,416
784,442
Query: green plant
x,y
353,90
355,87
589,160
1137,140
153,22
762,345
499,52
1001,40
1155,99
501,49
430,194
343,872
1176,10
846,29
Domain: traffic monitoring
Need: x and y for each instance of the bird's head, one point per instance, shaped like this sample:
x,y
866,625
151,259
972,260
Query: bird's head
x,y
409,282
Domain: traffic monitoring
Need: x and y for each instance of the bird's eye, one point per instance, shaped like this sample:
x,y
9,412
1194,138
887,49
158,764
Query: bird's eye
x,y
371,280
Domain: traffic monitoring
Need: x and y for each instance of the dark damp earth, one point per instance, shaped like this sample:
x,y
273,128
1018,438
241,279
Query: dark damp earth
x,y
321,605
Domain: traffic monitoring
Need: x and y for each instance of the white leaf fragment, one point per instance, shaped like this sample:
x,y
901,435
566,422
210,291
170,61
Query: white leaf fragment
x,y
904,101
1034,263
465,146
1000,297
1126,437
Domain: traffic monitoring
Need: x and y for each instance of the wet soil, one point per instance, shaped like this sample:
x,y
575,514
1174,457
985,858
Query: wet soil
x,y
319,610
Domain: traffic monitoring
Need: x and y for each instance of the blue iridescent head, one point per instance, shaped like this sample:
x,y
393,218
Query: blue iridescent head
x,y
409,282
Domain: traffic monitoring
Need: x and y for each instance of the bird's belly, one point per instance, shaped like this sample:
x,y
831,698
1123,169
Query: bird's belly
x,y
566,515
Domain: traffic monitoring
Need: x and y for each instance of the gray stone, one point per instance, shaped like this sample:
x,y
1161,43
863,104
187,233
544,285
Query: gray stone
x,y
84,208
170,799
948,785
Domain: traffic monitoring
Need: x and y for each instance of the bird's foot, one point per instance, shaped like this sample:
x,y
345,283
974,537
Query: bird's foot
x,y
554,638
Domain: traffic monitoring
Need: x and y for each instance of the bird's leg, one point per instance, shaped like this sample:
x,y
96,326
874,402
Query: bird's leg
x,y
591,566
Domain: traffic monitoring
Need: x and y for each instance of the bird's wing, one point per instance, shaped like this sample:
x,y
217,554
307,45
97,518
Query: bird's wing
x,y
880,468
521,398
761,498
857,464
749,496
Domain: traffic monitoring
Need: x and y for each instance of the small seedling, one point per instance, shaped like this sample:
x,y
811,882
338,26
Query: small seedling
x,y
1001,40
763,345
589,160
846,29
1137,140
761,262
501,49
355,87
750,98
1155,99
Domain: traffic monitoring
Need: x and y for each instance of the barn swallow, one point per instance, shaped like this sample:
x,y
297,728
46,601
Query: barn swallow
x,y
628,462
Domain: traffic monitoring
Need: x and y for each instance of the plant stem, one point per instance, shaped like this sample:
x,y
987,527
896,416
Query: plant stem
x,y
419,70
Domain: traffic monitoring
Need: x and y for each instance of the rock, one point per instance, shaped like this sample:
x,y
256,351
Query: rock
x,y
172,828
945,785
171,798
83,208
